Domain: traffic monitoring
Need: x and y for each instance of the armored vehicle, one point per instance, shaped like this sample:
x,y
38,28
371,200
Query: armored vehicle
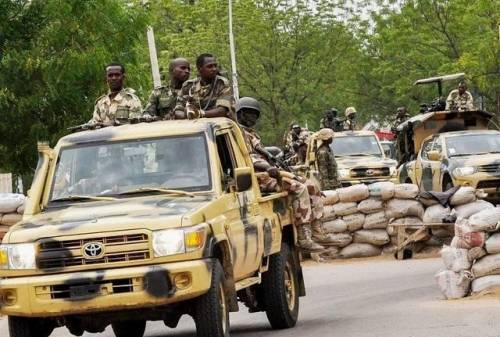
x,y
149,222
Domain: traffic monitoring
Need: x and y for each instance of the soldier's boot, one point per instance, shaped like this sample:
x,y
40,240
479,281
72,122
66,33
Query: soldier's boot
x,y
319,234
305,241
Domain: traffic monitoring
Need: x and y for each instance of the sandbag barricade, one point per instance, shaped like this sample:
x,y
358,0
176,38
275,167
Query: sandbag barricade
x,y
11,211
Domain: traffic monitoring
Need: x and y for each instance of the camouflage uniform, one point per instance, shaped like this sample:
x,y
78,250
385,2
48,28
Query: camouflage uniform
x,y
455,101
399,120
162,102
124,106
206,97
326,123
327,168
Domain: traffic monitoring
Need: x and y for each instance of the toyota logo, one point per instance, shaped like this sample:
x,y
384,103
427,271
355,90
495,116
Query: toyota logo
x,y
370,172
93,250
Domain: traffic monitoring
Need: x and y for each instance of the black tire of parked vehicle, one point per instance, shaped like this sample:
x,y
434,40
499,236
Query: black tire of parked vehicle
x,y
281,290
29,327
211,313
129,328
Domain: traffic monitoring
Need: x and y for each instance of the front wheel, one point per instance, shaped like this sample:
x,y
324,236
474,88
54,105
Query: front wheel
x,y
129,328
211,312
29,327
281,289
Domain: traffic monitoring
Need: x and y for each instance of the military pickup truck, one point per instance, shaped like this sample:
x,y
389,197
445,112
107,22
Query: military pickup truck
x,y
149,222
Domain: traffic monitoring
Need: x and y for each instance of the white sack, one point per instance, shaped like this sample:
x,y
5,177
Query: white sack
x,y
464,195
377,237
11,219
9,202
476,253
353,193
466,237
405,191
455,259
467,210
408,221
486,220
376,221
328,213
436,214
383,190
483,283
453,285
335,226
492,245
340,239
354,221
488,265
345,208
399,208
331,197
360,250
370,205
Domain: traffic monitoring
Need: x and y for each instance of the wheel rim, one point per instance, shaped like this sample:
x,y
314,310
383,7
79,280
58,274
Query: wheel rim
x,y
289,286
223,309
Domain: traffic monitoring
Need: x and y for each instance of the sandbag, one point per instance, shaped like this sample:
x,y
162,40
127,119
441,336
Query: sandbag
x,y
383,190
484,283
467,210
9,202
464,195
407,221
455,259
329,213
399,208
376,221
360,250
20,209
486,220
376,237
353,193
453,285
487,265
370,205
492,245
3,230
11,219
345,208
436,214
389,249
330,197
340,239
335,226
466,237
405,191
443,232
354,221
475,253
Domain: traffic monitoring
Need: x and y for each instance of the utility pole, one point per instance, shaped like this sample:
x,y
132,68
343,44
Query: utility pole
x,y
234,72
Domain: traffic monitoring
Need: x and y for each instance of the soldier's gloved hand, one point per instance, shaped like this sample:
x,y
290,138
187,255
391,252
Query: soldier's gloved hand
x,y
273,172
192,114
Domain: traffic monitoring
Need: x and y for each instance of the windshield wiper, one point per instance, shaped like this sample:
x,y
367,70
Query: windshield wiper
x,y
157,189
468,154
82,197
363,154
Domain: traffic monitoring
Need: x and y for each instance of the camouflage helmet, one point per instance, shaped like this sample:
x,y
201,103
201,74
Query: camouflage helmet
x,y
350,111
248,103
324,134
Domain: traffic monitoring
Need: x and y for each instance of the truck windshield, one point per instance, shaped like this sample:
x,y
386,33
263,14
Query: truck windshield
x,y
356,146
473,144
115,168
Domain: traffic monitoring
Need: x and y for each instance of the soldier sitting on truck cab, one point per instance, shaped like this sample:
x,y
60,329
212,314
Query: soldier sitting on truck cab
x,y
460,99
307,204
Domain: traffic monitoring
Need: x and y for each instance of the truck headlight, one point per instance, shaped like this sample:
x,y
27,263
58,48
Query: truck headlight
x,y
464,171
392,170
343,173
18,256
177,241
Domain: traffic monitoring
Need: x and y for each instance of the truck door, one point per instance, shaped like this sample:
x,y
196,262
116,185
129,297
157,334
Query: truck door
x,y
423,167
245,225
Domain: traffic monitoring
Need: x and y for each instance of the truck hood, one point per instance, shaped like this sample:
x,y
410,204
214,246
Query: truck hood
x,y
364,161
148,212
476,160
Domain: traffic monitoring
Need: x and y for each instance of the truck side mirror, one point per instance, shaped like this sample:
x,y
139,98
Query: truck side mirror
x,y
243,176
434,155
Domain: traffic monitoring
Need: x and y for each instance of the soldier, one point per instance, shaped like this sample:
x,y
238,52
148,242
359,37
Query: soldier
x,y
162,100
330,120
120,104
350,122
292,139
209,95
460,99
307,204
327,166
401,116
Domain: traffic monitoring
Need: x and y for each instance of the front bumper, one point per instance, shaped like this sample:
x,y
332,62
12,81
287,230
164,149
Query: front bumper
x,y
367,181
104,290
487,182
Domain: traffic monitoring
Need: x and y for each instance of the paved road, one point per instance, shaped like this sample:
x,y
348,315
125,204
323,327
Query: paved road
x,y
368,298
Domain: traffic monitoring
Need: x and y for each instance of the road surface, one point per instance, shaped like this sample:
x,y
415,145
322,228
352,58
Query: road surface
x,y
367,298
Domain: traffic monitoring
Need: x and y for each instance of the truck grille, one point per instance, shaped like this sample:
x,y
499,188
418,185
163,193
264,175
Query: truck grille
x,y
491,168
489,184
69,253
370,172
91,289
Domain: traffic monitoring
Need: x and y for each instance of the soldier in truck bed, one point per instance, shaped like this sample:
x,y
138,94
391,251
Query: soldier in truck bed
x,y
209,95
460,99
307,204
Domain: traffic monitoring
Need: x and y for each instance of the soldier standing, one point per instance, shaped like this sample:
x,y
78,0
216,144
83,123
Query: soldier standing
x,y
350,122
209,95
162,100
401,117
307,204
119,104
292,139
460,99
330,120
327,166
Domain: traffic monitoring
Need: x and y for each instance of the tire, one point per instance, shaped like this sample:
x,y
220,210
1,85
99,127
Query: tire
x,y
129,328
280,286
29,327
211,313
